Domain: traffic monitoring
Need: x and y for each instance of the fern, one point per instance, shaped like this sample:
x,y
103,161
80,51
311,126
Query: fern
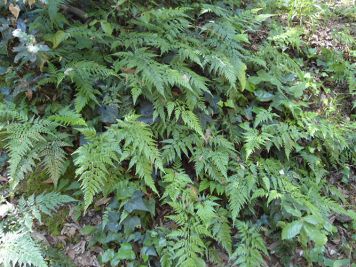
x,y
177,182
53,9
143,63
284,136
33,140
140,147
54,156
21,249
251,249
22,143
83,74
68,117
254,139
239,189
263,116
188,247
230,146
222,230
17,247
94,159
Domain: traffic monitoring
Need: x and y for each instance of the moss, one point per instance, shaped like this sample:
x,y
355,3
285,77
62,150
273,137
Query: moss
x,y
55,223
35,184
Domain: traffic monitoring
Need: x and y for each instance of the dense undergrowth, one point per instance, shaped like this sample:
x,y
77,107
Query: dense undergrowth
x,y
204,133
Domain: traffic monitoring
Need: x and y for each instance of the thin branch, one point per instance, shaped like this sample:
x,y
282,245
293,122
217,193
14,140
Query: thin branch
x,y
75,11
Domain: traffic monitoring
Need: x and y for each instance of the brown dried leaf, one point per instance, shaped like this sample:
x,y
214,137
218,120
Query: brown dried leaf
x,y
70,229
48,181
128,70
86,259
40,236
29,94
102,201
74,250
15,10
31,2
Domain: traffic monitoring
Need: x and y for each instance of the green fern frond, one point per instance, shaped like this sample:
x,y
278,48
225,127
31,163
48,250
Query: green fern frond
x,y
68,117
251,248
19,249
176,181
222,230
93,161
21,141
254,139
53,155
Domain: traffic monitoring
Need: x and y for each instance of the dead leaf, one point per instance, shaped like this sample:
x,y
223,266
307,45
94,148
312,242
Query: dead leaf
x,y
128,70
74,250
70,229
40,236
31,2
102,201
29,94
48,181
86,259
15,10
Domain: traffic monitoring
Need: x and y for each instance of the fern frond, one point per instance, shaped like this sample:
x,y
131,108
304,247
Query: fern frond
x,y
19,249
93,161
53,9
176,181
67,117
254,139
238,196
222,230
251,246
21,141
263,116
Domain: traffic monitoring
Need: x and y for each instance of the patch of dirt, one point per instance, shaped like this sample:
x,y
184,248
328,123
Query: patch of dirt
x,y
326,36
75,244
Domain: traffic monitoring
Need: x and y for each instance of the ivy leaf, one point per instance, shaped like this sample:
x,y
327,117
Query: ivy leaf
x,y
107,256
109,113
106,26
243,37
125,252
291,229
3,70
315,234
313,219
58,38
136,203
263,95
336,263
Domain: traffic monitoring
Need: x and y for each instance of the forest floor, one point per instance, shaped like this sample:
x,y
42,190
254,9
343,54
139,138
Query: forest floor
x,y
67,230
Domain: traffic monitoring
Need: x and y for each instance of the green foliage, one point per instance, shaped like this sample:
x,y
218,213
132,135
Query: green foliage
x,y
251,248
17,246
138,148
30,140
215,129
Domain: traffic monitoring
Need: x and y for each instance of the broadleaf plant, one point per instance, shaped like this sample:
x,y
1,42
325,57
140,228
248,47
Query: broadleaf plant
x,y
216,131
